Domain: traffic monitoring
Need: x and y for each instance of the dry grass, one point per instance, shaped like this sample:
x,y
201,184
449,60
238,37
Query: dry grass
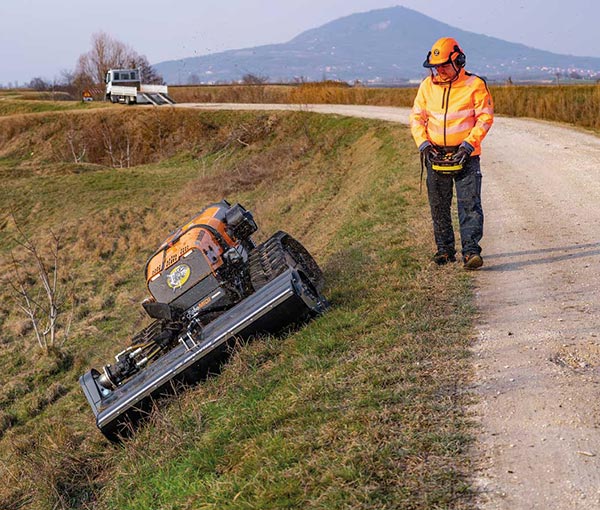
x,y
574,104
230,94
307,93
119,138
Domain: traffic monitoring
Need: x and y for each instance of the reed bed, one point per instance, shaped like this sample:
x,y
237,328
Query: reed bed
x,y
574,104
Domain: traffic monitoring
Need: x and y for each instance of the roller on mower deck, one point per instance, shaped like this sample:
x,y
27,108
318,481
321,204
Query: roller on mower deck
x,y
209,285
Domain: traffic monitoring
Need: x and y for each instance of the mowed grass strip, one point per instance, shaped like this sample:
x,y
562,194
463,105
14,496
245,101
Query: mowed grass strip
x,y
363,407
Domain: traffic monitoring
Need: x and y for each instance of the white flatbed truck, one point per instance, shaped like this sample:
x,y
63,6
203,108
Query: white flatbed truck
x,y
124,86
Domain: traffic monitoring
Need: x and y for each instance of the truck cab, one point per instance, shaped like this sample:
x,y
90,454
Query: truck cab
x,y
129,77
121,78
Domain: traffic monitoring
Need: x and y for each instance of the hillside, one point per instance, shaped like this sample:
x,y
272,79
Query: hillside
x,y
384,45
362,408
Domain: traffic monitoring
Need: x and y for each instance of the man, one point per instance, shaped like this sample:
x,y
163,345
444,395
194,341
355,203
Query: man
x,y
452,113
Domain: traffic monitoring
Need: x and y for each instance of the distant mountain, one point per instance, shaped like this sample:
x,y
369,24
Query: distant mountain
x,y
380,46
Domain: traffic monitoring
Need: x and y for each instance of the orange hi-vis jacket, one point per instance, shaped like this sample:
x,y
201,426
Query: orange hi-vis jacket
x,y
447,114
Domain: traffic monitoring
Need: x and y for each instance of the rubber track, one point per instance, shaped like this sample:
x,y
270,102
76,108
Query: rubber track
x,y
278,253
266,262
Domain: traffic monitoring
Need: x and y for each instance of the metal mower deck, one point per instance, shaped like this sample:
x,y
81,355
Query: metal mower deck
x,y
283,301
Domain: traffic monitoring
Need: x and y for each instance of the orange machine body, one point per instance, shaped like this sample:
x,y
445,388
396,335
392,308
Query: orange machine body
x,y
204,236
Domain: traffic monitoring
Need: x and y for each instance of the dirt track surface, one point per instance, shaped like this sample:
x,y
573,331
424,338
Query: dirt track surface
x,y
537,354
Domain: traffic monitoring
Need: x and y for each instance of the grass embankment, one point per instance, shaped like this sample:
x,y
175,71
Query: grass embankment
x,y
574,104
362,408
23,107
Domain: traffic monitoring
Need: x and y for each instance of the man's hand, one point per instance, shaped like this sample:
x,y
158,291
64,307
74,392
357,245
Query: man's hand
x,y
428,151
464,151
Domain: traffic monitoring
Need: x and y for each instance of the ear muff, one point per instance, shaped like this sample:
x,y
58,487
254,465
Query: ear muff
x,y
426,63
461,58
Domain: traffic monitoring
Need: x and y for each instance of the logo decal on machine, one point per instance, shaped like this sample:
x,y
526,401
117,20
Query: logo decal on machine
x,y
178,276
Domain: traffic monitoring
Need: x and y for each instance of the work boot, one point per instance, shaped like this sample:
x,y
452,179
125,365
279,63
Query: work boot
x,y
472,261
442,257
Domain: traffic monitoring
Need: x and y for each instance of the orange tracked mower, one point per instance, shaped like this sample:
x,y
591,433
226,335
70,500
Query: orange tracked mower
x,y
209,284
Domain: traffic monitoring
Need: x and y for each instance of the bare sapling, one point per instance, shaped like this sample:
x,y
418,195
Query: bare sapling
x,y
78,150
38,291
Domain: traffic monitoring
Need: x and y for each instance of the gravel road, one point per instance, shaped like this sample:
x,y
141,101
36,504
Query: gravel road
x,y
537,354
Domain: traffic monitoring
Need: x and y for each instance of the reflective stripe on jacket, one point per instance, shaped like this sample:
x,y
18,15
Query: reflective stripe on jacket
x,y
448,114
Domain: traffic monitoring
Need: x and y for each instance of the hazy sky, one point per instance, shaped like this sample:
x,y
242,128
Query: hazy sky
x,y
43,37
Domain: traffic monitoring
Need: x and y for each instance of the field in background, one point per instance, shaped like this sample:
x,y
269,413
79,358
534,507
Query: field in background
x,y
362,408
306,93
574,104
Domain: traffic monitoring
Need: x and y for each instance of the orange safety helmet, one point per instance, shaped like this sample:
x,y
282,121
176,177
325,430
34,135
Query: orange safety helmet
x,y
445,51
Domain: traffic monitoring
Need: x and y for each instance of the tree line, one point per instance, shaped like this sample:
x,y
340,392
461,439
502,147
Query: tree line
x,y
105,53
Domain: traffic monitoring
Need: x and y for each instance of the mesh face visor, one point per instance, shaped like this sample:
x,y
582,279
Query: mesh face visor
x,y
430,65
